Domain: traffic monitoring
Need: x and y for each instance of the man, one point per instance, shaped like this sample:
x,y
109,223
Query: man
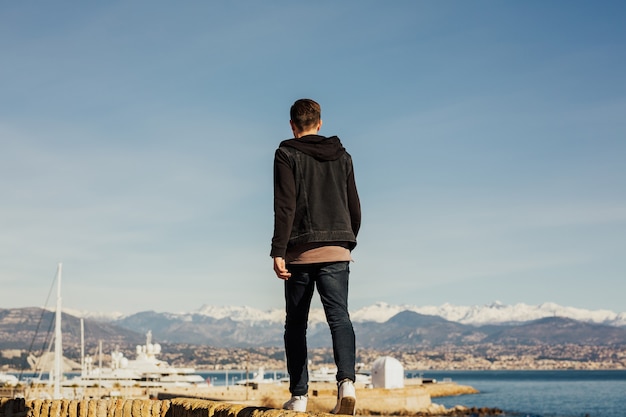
x,y
317,215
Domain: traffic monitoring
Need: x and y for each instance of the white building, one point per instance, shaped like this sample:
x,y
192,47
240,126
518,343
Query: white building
x,y
387,372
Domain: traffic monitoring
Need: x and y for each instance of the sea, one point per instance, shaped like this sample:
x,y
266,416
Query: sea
x,y
568,393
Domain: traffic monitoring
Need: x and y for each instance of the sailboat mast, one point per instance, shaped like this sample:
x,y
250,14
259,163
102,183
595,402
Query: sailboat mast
x,y
82,347
58,343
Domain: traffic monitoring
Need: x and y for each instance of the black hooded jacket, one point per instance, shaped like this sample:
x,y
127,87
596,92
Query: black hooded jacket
x,y
315,195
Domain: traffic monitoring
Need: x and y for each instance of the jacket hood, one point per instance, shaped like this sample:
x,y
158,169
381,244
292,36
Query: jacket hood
x,y
319,147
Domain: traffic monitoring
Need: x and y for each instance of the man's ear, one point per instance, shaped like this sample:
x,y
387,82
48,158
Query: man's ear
x,y
319,126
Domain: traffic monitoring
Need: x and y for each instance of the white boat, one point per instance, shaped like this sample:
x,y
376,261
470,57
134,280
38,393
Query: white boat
x,y
8,380
323,374
326,374
146,370
258,378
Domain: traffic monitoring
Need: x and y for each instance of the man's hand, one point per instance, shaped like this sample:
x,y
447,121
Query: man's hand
x,y
280,268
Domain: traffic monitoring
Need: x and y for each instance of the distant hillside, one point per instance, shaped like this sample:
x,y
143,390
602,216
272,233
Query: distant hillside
x,y
405,329
23,327
201,329
410,328
558,331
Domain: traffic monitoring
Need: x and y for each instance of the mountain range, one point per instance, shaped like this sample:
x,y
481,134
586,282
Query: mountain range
x,y
476,315
378,326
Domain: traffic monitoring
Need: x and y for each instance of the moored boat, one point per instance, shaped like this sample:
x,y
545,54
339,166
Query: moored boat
x,y
8,380
146,370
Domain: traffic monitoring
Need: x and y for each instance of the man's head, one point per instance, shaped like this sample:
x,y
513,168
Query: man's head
x,y
305,117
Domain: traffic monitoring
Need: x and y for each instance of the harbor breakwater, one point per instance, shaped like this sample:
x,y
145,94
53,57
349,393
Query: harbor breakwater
x,y
259,400
194,407
178,407
175,407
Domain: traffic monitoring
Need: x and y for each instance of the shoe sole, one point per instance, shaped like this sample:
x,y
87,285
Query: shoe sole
x,y
347,406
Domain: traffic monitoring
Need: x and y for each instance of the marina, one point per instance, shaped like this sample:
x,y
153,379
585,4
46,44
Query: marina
x,y
145,371
137,377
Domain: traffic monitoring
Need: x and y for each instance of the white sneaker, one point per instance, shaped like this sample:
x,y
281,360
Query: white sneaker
x,y
346,398
296,403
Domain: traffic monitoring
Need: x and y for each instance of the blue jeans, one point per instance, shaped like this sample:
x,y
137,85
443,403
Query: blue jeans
x,y
331,280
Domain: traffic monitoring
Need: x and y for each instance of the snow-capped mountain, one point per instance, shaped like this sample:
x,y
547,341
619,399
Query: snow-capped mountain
x,y
495,313
476,315
95,315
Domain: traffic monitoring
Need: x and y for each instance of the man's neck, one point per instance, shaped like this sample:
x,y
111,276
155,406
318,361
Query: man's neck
x,y
306,133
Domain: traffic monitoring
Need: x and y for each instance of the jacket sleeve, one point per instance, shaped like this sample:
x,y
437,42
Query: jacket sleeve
x,y
284,203
354,204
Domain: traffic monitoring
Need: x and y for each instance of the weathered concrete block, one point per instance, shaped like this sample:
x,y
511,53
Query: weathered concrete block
x,y
83,408
162,407
146,408
228,410
65,407
155,409
102,407
35,406
136,409
127,409
118,408
91,408
72,409
111,404
55,408
45,408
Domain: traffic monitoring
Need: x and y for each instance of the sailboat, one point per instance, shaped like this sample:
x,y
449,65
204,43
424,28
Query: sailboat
x,y
55,377
55,370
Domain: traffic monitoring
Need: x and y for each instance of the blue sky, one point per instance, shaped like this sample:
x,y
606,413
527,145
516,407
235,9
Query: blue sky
x,y
137,139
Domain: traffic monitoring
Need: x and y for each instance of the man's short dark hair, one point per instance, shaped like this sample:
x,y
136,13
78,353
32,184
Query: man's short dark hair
x,y
305,113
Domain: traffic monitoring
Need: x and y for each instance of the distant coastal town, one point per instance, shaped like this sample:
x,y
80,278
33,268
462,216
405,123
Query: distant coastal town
x,y
419,358
479,357
498,357
471,357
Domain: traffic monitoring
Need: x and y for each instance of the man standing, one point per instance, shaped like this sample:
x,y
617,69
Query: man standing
x,y
317,215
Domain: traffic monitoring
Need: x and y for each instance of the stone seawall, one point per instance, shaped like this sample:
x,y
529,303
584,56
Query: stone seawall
x,y
178,407
240,401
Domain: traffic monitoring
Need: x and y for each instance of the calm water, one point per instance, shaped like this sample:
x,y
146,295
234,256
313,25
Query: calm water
x,y
542,393
218,378
523,393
